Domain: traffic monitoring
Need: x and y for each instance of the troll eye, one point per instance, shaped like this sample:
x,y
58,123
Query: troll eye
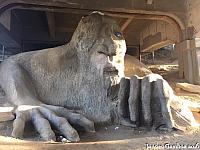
x,y
118,34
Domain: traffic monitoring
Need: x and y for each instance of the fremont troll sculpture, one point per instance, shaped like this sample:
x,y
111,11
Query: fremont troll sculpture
x,y
78,84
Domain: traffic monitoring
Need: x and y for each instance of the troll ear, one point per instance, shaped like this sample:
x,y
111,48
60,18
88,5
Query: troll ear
x,y
87,32
92,18
85,19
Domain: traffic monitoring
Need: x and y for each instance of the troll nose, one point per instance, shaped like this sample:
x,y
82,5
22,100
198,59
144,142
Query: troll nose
x,y
112,49
110,59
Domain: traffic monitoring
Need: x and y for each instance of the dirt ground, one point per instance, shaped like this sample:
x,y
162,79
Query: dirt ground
x,y
108,138
115,137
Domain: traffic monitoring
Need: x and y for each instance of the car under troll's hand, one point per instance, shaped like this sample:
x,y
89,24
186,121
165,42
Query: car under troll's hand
x,y
82,84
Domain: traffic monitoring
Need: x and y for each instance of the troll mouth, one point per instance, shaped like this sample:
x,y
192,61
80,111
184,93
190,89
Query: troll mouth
x,y
111,70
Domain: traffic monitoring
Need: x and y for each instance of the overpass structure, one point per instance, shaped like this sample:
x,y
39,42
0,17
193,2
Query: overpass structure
x,y
147,25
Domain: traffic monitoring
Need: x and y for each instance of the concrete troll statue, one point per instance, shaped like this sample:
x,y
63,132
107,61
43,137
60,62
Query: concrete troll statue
x,y
83,84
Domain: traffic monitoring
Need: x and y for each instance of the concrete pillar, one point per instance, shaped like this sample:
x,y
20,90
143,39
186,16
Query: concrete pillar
x,y
189,61
190,46
5,19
